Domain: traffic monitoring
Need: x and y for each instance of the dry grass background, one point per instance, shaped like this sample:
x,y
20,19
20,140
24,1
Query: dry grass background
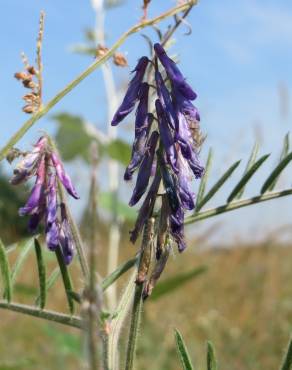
x,y
243,304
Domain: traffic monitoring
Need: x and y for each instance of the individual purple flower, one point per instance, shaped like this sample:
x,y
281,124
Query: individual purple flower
x,y
28,166
132,93
145,169
184,178
165,99
52,227
64,178
174,74
177,228
66,240
143,124
166,135
34,200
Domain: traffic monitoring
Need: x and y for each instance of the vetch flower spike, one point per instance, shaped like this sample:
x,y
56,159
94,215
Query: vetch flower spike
x,y
43,203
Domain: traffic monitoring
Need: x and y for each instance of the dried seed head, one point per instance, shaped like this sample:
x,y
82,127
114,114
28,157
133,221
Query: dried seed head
x,y
31,97
20,75
28,109
100,51
120,60
31,70
13,154
28,83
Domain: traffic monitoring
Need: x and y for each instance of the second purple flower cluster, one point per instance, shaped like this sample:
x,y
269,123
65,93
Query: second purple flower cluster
x,y
165,147
44,164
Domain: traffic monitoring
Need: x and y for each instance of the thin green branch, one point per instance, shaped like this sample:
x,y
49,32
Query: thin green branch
x,y
60,318
44,110
237,204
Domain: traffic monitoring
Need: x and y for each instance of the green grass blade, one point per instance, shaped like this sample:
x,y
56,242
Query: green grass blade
x,y
217,185
5,271
240,185
42,273
203,183
66,279
50,282
182,351
250,163
211,358
273,177
287,361
173,283
25,246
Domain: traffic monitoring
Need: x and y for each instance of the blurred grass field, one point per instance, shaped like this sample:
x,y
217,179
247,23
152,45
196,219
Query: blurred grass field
x,y
242,303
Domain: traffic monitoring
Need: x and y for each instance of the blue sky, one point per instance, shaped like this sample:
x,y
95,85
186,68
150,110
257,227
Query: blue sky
x,y
238,58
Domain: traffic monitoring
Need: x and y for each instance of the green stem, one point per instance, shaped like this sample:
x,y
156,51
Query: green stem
x,y
45,109
236,205
134,328
60,318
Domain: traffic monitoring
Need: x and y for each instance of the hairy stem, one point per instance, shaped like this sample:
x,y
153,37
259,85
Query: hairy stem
x,y
44,110
60,318
236,205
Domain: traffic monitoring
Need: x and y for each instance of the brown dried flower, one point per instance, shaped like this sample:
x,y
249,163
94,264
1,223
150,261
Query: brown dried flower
x,y
120,60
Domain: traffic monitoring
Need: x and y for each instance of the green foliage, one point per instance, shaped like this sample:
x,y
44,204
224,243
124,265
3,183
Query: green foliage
x,y
183,352
171,284
24,246
211,358
66,279
50,282
287,362
74,137
42,273
5,271
203,183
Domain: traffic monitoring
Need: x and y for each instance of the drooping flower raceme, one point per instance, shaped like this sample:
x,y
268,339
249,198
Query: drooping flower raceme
x,y
164,140
43,203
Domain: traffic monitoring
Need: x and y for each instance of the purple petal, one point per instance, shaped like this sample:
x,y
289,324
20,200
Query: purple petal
x,y
52,204
145,169
132,93
52,236
177,228
166,136
146,208
138,150
184,179
169,186
35,199
165,99
64,178
174,73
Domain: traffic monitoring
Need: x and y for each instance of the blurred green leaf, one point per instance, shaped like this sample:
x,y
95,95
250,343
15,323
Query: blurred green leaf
x,y
24,289
50,282
287,362
65,343
169,285
119,150
24,246
4,266
105,201
211,358
72,138
182,351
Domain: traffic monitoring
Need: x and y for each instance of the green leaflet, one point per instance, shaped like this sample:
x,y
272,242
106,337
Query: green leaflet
x,y
218,185
250,163
50,282
240,185
169,285
205,178
287,361
211,358
5,271
66,279
109,280
273,177
42,273
182,351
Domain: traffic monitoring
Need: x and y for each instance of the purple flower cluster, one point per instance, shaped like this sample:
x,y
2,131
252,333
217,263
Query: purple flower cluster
x,y
164,146
44,164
